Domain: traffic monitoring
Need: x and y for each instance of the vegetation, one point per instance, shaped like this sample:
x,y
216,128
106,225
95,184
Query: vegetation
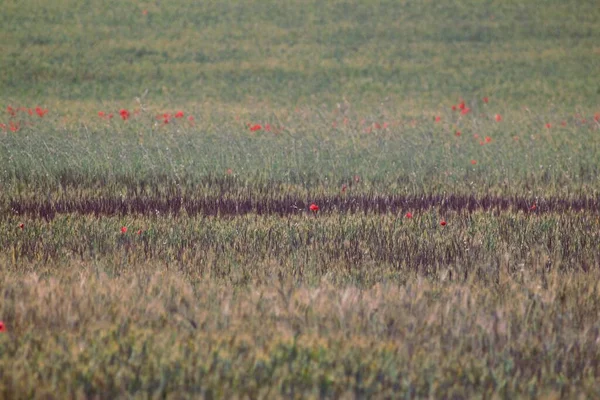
x,y
299,199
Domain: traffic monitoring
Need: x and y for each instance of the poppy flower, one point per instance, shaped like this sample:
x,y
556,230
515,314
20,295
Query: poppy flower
x,y
179,114
457,133
498,117
314,208
465,111
11,111
438,118
21,226
408,215
462,105
377,126
139,232
548,125
488,139
2,327
443,223
268,127
255,127
453,108
485,100
597,117
14,126
191,118
41,111
101,114
476,136
124,114
123,229
533,207
3,127
473,162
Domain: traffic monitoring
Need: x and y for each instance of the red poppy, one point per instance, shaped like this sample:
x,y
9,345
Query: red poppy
x,y
473,162
139,232
498,117
462,105
377,126
109,116
124,114
2,327
465,111
438,118
457,133
476,136
385,125
101,114
268,127
488,139
314,208
191,118
11,111
533,207
408,215
21,226
485,100
597,117
41,111
453,108
179,114
548,125
123,229
14,126
255,127
443,223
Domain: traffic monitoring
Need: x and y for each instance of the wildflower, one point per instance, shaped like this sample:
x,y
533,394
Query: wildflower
x,y
473,162
385,125
124,114
191,118
498,117
101,114
377,126
462,105
21,226
485,100
41,111
255,127
14,126
438,118
268,127
314,208
344,187
597,117
139,232
123,229
453,108
476,136
457,134
3,127
11,111
109,116
408,215
533,207
443,223
548,125
2,327
179,114
465,111
488,139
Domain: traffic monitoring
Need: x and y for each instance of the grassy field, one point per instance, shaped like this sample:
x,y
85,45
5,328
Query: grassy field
x,y
159,161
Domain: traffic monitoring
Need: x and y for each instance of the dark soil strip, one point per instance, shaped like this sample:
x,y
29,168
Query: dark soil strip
x,y
285,205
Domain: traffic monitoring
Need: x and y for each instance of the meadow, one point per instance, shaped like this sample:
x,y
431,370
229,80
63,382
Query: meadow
x,y
394,199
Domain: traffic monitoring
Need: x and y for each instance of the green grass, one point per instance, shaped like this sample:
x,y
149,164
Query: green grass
x,y
225,284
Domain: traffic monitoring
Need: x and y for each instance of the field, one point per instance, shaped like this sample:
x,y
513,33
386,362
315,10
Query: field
x,y
301,199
